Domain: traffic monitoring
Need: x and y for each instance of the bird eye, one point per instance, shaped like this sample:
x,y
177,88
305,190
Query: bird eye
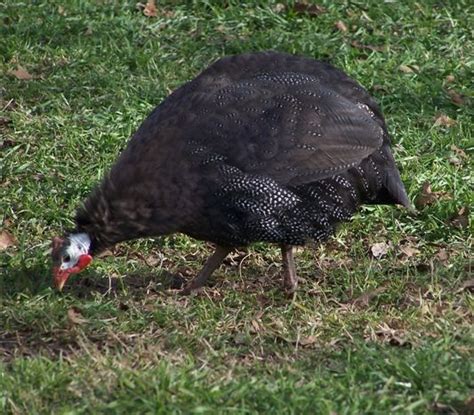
x,y
66,258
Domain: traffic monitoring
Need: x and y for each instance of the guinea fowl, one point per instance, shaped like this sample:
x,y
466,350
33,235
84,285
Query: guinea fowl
x,y
259,147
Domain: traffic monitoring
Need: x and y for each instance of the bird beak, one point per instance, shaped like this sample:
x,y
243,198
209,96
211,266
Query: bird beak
x,y
61,275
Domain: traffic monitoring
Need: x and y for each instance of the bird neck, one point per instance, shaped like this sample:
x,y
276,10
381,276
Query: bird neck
x,y
109,218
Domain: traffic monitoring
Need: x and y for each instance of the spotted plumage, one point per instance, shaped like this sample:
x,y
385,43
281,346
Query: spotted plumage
x,y
259,147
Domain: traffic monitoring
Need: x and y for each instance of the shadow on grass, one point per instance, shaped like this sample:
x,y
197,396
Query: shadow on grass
x,y
86,286
28,280
36,279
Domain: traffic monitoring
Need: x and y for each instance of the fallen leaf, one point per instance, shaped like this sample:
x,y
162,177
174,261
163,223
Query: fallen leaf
x,y
442,256
450,78
309,9
405,69
9,106
61,11
4,143
461,218
341,26
373,48
88,31
150,9
409,68
409,251
6,240
21,73
441,408
444,120
106,253
256,326
468,406
279,8
456,97
379,249
467,285
75,317
455,161
123,306
5,121
308,340
427,196
365,299
240,339
389,335
153,260
458,151
378,87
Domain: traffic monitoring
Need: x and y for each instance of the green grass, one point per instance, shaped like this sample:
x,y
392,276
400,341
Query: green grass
x,y
362,335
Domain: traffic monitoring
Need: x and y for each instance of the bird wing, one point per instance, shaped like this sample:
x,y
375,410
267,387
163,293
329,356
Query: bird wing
x,y
293,133
293,119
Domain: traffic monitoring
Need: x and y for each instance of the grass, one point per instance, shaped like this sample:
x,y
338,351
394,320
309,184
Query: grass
x,y
362,335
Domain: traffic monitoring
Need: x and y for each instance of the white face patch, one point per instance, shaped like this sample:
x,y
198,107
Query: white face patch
x,y
79,245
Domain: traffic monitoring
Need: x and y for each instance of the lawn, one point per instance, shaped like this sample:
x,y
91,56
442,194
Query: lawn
x,y
383,318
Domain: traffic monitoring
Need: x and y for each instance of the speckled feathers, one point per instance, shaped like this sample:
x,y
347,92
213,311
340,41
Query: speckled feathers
x,y
258,147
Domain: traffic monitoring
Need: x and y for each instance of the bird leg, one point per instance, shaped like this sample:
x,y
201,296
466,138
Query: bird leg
x,y
290,279
210,266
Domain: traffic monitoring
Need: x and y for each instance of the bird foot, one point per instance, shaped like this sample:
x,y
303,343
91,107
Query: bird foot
x,y
190,289
290,279
290,283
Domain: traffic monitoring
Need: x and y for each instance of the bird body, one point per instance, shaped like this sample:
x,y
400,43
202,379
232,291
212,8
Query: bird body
x,y
259,147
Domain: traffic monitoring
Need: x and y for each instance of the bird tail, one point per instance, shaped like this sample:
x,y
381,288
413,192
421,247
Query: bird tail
x,y
393,185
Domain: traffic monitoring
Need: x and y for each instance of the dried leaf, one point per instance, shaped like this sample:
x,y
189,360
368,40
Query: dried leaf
x,y
279,8
444,120
379,249
21,73
256,326
459,152
75,317
365,299
469,405
456,97
153,260
307,341
450,78
391,336
4,121
373,48
461,218
6,143
341,26
61,11
441,408
442,256
409,251
455,161
406,69
458,157
150,9
427,196
467,285
8,106
6,240
240,339
312,10
105,254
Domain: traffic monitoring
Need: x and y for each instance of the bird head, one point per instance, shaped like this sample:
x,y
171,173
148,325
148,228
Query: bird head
x,y
70,255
